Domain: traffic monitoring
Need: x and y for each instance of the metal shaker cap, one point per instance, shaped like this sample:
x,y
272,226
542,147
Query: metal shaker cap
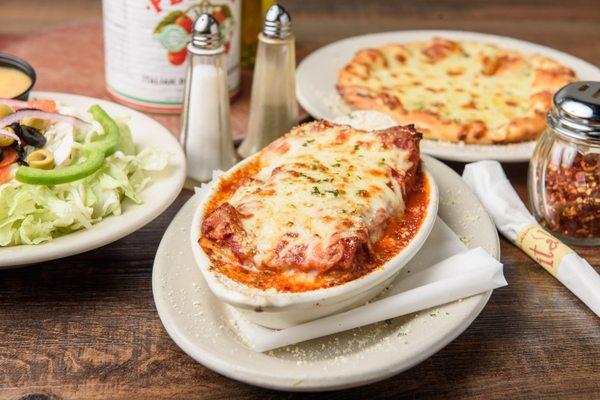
x,y
576,110
278,23
206,35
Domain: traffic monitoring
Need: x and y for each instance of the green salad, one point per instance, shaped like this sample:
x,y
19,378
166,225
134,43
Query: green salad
x,y
60,174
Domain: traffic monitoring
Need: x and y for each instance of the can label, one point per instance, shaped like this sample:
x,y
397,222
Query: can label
x,y
145,48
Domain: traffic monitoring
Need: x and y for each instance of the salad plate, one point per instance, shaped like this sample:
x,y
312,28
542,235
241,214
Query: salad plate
x,y
203,326
162,188
317,76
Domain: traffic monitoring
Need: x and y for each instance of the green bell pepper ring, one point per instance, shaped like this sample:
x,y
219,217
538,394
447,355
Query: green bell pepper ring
x,y
94,158
95,153
111,138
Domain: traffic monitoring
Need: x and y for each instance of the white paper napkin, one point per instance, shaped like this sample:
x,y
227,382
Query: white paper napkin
x,y
443,271
489,182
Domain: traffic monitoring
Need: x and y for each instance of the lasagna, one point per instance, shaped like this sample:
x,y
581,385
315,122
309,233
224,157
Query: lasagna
x,y
320,206
458,91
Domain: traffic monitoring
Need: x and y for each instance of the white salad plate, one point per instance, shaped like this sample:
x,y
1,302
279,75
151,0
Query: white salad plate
x,y
200,324
164,188
317,75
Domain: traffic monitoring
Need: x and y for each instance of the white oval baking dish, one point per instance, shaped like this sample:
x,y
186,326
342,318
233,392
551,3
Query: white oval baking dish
x,y
278,310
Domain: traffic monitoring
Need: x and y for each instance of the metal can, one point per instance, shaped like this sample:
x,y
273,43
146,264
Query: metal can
x,y
145,48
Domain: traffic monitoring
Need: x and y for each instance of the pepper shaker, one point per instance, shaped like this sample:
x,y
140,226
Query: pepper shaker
x,y
273,107
206,126
564,172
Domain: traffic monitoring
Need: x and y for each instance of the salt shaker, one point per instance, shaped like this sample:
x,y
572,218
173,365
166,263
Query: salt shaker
x,y
273,107
564,172
206,126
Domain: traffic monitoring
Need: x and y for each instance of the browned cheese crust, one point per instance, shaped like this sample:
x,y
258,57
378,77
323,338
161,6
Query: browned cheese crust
x,y
456,90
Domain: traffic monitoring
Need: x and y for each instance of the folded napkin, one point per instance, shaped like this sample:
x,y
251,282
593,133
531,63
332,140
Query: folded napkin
x,y
488,181
444,270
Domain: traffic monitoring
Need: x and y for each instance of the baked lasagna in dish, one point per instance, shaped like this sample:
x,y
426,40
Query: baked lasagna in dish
x,y
321,206
457,91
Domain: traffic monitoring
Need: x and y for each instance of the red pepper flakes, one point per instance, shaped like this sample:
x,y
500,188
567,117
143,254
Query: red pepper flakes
x,y
573,197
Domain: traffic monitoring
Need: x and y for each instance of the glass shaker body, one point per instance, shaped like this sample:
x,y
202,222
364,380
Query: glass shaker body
x,y
273,107
206,127
564,187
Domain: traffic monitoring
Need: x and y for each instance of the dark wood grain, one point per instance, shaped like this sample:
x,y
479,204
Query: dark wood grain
x,y
85,327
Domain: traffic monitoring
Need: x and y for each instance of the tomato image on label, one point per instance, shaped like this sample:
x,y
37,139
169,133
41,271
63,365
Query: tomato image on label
x,y
178,57
173,32
185,22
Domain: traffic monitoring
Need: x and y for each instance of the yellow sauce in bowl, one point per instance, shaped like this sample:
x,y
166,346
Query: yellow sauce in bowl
x,y
13,82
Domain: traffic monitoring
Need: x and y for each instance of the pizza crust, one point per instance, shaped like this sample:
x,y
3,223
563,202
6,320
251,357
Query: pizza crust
x,y
456,90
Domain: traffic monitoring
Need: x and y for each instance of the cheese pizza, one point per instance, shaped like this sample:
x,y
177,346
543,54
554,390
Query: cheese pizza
x,y
458,91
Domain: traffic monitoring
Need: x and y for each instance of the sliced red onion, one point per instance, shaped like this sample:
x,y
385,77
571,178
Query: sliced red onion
x,y
12,103
30,113
4,132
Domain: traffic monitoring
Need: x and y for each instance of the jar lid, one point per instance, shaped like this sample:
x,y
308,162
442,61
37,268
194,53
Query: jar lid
x,y
576,110
205,34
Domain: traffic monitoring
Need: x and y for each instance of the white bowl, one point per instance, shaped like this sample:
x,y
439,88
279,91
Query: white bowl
x,y
279,310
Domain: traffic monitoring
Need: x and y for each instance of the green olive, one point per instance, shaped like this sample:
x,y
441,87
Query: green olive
x,y
7,141
5,110
41,159
36,123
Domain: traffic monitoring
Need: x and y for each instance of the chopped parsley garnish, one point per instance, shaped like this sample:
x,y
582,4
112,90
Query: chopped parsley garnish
x,y
306,176
316,191
325,180
336,165
335,192
307,142
356,147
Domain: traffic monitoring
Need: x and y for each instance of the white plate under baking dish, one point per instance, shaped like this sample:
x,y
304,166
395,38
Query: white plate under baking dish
x,y
198,323
157,197
317,75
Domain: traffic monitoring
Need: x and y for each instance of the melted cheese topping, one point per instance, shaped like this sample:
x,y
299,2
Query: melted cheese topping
x,y
456,87
325,186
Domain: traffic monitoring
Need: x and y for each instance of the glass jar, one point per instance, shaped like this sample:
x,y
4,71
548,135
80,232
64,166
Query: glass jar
x,y
564,172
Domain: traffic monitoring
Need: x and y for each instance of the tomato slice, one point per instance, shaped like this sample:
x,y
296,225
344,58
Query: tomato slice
x,y
4,174
10,156
39,104
43,104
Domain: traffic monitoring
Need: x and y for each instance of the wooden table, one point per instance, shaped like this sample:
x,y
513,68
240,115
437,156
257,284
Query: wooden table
x,y
86,326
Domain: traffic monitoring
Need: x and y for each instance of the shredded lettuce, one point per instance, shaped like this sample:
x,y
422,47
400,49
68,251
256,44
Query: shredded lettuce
x,y
32,214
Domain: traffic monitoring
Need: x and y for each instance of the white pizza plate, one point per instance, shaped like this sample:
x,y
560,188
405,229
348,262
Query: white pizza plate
x,y
317,75
201,326
157,197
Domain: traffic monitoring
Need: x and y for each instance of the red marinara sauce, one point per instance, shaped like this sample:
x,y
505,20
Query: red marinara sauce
x,y
398,233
